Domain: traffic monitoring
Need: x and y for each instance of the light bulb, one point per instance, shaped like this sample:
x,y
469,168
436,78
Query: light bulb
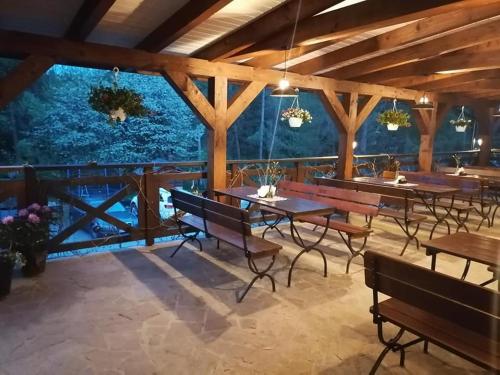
x,y
354,145
480,142
283,84
424,100
474,141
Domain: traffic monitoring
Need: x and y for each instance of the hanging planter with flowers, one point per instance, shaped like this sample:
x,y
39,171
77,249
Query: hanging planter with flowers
x,y
117,103
394,118
461,122
295,115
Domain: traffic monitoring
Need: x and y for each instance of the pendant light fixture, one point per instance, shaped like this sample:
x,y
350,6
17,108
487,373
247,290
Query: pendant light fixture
x,y
497,112
284,90
424,103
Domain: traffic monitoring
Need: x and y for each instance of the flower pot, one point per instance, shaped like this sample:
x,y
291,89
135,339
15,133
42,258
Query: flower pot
x,y
461,129
391,175
118,114
266,191
392,127
6,267
295,122
36,259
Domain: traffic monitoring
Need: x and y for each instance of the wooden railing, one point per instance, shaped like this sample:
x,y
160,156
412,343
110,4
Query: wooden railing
x,y
71,191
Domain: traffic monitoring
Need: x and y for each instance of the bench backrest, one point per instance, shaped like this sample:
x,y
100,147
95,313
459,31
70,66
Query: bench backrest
x,y
227,216
466,185
468,305
390,196
343,199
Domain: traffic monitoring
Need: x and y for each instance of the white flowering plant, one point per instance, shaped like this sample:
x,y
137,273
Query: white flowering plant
x,y
297,112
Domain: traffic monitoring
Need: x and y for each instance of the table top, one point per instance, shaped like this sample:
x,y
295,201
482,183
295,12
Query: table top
x,y
416,186
476,247
292,206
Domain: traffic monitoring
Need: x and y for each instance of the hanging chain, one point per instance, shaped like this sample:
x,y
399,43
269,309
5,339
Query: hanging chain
x,y
116,71
462,114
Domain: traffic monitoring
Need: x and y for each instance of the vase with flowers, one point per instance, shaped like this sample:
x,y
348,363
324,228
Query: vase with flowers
x,y
269,179
27,233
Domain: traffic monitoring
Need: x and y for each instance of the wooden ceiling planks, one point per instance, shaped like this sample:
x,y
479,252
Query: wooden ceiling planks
x,y
185,19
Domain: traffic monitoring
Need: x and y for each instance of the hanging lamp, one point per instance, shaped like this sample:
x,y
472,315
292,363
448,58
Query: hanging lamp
x,y
284,90
424,103
497,112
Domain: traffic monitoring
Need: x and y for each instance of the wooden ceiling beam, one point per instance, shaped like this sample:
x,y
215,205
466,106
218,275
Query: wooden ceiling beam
x,y
276,58
87,18
447,63
485,84
261,28
357,18
182,21
455,79
17,44
451,42
416,80
424,28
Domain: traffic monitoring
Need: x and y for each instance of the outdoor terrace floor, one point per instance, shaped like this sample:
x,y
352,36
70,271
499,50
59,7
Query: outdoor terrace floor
x,y
140,312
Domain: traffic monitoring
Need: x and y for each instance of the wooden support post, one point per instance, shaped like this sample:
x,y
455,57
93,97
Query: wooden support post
x,y
428,122
485,126
217,134
345,118
147,203
32,187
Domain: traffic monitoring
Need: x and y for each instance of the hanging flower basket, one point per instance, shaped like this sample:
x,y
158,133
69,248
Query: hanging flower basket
x,y
394,118
117,103
461,122
295,115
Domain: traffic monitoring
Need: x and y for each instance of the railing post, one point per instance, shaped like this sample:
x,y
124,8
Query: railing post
x,y
32,192
300,173
146,194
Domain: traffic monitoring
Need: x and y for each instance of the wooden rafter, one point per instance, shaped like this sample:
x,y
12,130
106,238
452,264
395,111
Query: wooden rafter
x,y
263,27
276,58
88,16
105,56
458,40
424,28
485,84
22,76
418,80
366,109
354,19
446,63
185,19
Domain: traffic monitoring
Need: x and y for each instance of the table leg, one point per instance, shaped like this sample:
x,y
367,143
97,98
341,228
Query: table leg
x,y
433,210
433,261
306,248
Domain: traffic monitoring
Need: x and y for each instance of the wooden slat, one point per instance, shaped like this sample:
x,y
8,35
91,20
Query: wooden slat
x,y
181,22
354,19
447,43
413,32
22,77
89,15
263,27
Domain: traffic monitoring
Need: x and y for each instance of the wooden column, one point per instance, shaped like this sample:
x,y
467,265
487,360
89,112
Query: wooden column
x,y
347,120
485,127
428,122
217,134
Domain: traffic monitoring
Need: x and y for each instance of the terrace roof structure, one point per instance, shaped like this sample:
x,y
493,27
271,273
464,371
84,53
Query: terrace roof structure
x,y
352,52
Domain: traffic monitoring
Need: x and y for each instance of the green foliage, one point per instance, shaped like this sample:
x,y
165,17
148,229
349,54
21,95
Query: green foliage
x,y
396,117
105,99
304,114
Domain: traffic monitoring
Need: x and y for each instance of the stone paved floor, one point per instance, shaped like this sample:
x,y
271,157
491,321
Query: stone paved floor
x,y
141,312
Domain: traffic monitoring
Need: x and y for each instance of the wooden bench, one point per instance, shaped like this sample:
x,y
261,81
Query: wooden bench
x,y
344,201
395,203
458,316
468,189
225,223
488,196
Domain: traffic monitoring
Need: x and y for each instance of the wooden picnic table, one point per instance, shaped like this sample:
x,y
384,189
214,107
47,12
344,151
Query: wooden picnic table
x,y
469,246
291,207
424,191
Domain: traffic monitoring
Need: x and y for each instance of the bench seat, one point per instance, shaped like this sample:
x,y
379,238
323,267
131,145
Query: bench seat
x,y
442,332
397,214
351,230
456,205
256,246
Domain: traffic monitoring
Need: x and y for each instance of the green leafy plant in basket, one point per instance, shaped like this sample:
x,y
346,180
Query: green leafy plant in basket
x,y
117,102
394,118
